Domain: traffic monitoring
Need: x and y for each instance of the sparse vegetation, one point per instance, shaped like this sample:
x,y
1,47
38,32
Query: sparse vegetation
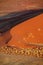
x,y
37,52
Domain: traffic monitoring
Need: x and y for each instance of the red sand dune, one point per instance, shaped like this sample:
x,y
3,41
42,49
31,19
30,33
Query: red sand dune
x,y
30,31
24,33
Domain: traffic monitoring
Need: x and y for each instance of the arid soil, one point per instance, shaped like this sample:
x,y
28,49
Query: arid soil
x,y
19,60
7,6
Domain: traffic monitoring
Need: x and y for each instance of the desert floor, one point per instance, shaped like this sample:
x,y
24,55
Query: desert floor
x,y
7,6
19,60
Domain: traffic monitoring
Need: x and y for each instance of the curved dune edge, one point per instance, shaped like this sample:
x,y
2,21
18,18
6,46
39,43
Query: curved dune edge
x,y
25,35
30,31
21,35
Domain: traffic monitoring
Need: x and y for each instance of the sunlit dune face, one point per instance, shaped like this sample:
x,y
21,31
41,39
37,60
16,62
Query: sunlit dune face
x,y
30,31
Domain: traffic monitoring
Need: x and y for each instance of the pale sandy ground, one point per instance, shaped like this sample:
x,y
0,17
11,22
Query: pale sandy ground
x,y
7,6
19,60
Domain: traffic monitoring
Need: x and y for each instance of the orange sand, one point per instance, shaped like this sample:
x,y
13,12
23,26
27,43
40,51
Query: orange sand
x,y
30,31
